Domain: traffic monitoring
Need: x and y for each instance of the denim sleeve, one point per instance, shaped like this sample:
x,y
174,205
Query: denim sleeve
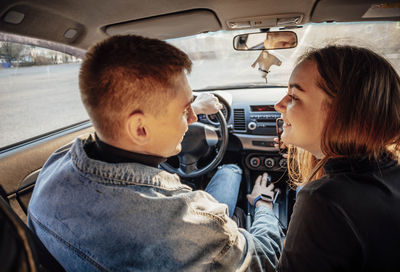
x,y
235,249
264,244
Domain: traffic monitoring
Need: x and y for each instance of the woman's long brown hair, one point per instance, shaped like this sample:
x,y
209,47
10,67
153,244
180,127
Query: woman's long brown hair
x,y
363,111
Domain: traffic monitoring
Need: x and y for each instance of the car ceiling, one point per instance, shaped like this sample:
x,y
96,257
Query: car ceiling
x,y
81,23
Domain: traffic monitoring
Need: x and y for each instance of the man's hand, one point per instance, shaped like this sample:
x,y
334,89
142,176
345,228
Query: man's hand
x,y
260,187
206,103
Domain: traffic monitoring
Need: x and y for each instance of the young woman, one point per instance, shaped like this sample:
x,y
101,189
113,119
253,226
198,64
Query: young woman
x,y
342,125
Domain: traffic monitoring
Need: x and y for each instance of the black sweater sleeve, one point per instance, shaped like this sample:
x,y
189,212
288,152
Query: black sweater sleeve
x,y
321,237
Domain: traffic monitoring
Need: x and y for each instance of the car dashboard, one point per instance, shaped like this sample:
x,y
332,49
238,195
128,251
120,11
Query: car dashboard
x,y
251,119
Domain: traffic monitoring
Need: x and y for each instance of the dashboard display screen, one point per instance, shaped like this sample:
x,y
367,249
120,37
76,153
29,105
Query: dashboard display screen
x,y
262,108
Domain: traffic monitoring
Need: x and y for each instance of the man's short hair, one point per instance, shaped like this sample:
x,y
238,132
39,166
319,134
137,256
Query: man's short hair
x,y
126,74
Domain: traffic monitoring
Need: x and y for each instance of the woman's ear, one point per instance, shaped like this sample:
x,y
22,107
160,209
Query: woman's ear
x,y
137,129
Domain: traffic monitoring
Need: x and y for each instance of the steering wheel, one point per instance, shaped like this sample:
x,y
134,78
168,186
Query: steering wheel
x,y
198,141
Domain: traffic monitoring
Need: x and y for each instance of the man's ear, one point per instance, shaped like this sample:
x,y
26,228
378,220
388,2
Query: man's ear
x,y
137,129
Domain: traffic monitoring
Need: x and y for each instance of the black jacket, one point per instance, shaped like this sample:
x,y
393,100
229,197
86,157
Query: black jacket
x,y
349,220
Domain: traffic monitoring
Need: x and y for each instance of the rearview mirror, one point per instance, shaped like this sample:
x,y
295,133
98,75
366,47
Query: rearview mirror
x,y
265,40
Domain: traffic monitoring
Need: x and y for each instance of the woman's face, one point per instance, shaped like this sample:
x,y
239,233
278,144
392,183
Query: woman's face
x,y
304,109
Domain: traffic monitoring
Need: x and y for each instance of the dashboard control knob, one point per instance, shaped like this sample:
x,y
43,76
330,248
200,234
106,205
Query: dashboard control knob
x,y
255,162
252,125
283,163
269,162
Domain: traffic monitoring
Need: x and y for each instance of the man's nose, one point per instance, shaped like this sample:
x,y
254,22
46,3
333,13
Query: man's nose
x,y
192,117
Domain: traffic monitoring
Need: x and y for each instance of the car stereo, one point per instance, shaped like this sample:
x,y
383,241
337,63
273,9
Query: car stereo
x,y
262,120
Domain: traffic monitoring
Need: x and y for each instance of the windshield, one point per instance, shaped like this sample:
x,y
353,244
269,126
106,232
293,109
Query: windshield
x,y
217,65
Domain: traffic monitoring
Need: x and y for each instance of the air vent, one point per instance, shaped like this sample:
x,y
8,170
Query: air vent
x,y
239,123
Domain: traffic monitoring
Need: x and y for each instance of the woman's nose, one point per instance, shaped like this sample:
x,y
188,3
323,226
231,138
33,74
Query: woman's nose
x,y
280,106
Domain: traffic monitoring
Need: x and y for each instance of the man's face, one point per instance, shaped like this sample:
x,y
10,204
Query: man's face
x,y
280,40
169,127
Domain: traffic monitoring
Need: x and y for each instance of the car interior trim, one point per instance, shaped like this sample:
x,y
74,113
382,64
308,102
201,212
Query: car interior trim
x,y
188,22
248,142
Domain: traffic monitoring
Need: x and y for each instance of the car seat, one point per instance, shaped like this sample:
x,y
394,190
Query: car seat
x,y
20,249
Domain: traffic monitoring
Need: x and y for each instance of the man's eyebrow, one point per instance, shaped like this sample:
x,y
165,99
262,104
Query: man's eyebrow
x,y
190,102
297,86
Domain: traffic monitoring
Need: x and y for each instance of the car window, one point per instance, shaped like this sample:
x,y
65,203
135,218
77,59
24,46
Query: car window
x,y
38,91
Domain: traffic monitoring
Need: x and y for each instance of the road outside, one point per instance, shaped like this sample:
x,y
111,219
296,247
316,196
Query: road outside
x,y
35,100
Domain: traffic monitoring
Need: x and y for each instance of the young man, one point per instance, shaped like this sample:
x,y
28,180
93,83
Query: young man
x,y
103,204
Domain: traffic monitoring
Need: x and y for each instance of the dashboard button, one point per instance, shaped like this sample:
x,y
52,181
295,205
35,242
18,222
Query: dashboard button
x,y
252,126
255,162
269,162
283,163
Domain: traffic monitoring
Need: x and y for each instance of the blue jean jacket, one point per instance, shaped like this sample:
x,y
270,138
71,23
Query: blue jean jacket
x,y
97,216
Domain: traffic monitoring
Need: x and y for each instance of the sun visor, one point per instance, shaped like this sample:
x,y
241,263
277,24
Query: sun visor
x,y
168,26
356,10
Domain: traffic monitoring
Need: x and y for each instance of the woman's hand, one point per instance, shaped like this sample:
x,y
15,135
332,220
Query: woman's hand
x,y
282,147
260,187
206,103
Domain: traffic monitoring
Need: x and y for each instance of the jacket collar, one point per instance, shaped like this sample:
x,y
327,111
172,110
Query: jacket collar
x,y
122,173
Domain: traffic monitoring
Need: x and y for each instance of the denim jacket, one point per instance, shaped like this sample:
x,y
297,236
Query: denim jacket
x,y
97,216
